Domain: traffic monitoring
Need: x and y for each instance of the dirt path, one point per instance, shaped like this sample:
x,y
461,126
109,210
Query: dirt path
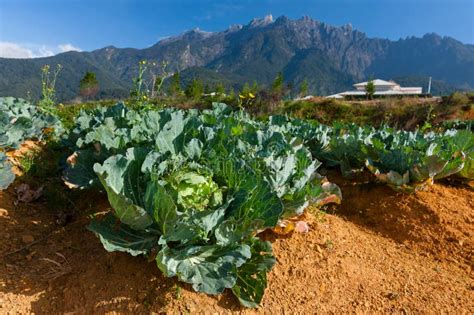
x,y
378,252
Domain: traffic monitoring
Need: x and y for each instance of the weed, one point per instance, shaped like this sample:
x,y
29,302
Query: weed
x,y
329,244
48,89
177,292
143,91
320,215
26,162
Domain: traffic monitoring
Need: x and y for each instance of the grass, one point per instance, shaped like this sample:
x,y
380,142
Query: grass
x,y
26,163
67,113
405,113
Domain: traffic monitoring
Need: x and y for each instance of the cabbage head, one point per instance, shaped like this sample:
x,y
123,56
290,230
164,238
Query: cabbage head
x,y
195,191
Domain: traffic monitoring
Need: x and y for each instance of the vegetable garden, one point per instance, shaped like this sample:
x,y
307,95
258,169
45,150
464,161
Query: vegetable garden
x,y
193,190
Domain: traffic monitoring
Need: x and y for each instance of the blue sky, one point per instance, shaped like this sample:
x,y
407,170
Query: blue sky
x,y
32,28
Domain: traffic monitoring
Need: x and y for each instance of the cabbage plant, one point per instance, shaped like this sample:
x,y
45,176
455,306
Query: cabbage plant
x,y
201,229
195,190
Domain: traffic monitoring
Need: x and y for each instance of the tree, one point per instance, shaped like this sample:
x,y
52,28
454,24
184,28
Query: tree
x,y
370,89
89,86
220,88
175,85
277,85
303,88
207,89
195,89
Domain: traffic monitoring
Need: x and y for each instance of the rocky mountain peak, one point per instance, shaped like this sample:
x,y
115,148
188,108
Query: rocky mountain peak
x,y
259,22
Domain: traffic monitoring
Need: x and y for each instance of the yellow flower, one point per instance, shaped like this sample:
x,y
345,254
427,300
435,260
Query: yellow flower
x,y
241,96
251,95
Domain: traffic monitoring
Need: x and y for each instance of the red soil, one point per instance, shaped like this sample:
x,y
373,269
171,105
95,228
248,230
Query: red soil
x,y
379,251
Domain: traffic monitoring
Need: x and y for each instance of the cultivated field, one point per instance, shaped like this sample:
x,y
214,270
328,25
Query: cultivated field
x,y
217,210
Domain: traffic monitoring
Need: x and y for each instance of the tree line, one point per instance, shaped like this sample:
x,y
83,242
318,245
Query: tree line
x,y
196,88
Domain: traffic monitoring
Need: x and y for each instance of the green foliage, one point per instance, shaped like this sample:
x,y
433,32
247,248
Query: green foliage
x,y
458,98
405,160
246,89
67,113
195,89
21,121
147,85
48,89
232,94
255,87
406,113
175,85
139,92
252,276
27,162
220,88
303,88
194,190
278,84
6,173
89,86
370,89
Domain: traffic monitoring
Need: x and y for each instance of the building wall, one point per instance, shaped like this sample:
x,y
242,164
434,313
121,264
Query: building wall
x,y
380,88
412,90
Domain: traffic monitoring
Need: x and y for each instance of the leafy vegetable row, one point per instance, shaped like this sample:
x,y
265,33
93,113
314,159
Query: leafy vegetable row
x,y
405,160
20,121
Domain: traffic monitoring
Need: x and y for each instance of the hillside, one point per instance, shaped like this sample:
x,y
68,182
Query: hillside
x,y
331,58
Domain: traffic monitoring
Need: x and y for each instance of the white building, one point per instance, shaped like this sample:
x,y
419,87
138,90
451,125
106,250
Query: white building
x,y
382,88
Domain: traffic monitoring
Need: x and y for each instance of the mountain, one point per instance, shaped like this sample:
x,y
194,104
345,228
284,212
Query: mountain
x,y
331,59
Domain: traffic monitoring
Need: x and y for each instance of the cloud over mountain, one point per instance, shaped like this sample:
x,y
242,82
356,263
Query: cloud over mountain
x,y
25,51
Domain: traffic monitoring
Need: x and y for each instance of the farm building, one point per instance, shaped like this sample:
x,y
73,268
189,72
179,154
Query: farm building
x,y
382,89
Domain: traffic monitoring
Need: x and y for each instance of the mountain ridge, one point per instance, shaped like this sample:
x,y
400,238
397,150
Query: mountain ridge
x,y
330,57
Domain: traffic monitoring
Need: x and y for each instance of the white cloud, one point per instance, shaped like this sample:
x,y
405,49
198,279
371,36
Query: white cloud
x,y
15,50
12,50
68,47
43,51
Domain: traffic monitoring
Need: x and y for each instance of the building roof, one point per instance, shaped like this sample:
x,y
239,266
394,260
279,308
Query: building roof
x,y
377,82
389,92
362,93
